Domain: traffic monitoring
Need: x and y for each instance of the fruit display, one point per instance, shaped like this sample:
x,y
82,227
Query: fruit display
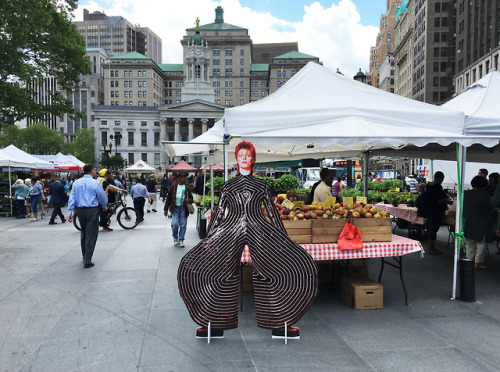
x,y
323,211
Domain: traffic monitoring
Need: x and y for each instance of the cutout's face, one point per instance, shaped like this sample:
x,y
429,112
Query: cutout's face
x,y
244,159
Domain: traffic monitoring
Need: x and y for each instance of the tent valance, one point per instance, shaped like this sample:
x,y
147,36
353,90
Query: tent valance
x,y
139,167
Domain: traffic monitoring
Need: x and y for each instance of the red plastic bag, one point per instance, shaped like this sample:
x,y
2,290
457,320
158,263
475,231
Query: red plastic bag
x,y
350,238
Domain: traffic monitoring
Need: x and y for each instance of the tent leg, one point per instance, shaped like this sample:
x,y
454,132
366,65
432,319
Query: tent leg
x,y
366,159
10,192
461,160
225,150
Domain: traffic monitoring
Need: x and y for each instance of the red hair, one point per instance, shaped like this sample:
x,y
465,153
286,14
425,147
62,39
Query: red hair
x,y
248,146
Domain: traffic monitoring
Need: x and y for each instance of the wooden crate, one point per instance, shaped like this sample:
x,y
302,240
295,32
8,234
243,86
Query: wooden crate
x,y
373,229
326,231
299,230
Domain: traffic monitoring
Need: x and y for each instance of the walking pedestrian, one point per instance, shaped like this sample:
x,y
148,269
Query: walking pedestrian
x,y
36,194
21,192
177,197
152,186
110,189
139,193
86,194
57,198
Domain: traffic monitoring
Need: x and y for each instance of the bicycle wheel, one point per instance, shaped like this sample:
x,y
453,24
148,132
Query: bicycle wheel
x,y
127,218
76,221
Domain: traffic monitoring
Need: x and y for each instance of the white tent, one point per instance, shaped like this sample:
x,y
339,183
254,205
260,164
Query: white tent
x,y
62,163
10,161
139,167
35,162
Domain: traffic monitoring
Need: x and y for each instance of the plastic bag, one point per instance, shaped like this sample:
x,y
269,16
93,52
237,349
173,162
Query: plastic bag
x,y
350,238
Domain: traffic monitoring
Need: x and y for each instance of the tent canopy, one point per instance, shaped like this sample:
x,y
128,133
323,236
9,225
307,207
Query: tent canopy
x,y
182,166
61,163
139,167
341,114
214,167
36,163
11,161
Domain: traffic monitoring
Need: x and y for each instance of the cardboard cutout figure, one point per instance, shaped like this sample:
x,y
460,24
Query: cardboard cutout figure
x,y
285,276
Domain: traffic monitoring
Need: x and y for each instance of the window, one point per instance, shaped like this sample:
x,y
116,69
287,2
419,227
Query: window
x,y
117,94
263,84
130,123
126,94
157,158
118,123
226,93
444,22
139,94
242,52
116,84
112,74
226,84
131,158
139,73
279,73
157,139
216,52
229,72
144,157
130,94
144,94
242,93
112,84
156,123
242,84
118,139
104,122
144,139
144,123
104,138
144,84
242,61
242,72
216,72
139,83
125,84
242,102
437,22
131,139
229,52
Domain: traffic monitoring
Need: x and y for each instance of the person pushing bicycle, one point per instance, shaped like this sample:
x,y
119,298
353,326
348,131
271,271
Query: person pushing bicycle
x,y
110,189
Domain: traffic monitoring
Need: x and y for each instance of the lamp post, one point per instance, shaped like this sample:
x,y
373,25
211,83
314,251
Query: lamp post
x,y
118,138
360,76
107,152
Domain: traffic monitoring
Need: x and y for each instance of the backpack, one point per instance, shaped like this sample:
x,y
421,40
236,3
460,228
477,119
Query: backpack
x,y
421,204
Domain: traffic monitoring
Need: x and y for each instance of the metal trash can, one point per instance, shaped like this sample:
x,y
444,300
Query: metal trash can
x,y
467,281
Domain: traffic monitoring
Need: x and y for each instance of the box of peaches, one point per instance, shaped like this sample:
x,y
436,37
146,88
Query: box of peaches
x,y
323,222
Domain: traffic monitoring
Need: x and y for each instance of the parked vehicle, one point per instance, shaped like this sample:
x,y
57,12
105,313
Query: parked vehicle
x,y
307,177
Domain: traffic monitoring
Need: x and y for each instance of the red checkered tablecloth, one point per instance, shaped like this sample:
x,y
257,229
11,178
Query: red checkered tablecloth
x,y
398,246
402,211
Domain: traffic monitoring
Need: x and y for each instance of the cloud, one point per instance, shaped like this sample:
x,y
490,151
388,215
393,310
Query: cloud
x,y
334,34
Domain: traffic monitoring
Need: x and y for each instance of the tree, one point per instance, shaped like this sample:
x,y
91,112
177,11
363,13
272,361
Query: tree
x,y
83,147
38,40
36,139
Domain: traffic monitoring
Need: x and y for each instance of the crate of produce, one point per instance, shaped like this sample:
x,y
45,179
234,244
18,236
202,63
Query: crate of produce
x,y
299,230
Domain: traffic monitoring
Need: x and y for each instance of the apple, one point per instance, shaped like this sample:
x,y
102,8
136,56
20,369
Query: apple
x,y
336,217
280,199
373,210
307,216
300,216
337,205
367,206
363,212
325,216
356,214
349,206
376,215
382,213
329,213
314,215
320,213
286,211
306,208
368,215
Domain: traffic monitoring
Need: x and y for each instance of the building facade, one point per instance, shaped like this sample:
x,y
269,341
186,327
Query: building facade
x,y
403,49
386,73
383,44
119,35
477,41
433,50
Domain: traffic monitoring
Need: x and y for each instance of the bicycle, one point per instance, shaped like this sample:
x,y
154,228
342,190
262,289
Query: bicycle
x,y
126,217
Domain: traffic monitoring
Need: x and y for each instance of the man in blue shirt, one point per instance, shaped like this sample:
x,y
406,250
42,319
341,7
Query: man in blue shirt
x,y
139,193
86,194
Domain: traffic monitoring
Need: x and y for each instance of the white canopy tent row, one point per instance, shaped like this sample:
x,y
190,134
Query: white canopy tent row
x,y
340,116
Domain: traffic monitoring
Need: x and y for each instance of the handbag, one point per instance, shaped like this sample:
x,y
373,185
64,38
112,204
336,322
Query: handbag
x,y
350,238
190,208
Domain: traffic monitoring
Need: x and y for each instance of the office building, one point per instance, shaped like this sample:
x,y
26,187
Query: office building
x,y
403,49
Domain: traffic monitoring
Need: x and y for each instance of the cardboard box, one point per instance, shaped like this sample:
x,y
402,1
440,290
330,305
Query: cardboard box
x,y
367,294
247,278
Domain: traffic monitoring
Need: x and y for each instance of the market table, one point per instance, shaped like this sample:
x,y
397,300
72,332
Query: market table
x,y
395,249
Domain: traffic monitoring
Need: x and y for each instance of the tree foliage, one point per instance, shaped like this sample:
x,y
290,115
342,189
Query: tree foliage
x,y
36,139
38,40
83,147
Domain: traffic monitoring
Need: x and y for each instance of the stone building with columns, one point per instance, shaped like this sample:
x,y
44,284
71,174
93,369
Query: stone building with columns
x,y
146,103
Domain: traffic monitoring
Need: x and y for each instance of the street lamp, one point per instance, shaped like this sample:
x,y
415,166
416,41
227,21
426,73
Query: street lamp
x,y
107,152
117,137
360,76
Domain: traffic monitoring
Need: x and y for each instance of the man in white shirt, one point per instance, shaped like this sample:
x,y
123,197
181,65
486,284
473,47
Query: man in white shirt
x,y
324,189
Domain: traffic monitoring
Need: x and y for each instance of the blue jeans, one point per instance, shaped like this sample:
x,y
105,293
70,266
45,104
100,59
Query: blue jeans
x,y
21,208
179,222
34,199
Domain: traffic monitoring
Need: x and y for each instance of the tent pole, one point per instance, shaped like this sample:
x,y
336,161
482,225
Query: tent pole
x,y
211,184
225,150
366,159
10,192
461,160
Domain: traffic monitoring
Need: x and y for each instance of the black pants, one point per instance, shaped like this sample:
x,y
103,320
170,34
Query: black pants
x,y
139,208
57,212
89,221
434,222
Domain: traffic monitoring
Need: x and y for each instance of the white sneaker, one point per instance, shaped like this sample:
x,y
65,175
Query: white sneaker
x,y
34,219
181,243
176,242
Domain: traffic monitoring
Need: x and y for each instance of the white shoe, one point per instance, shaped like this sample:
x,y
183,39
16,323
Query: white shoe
x,y
34,219
176,242
181,243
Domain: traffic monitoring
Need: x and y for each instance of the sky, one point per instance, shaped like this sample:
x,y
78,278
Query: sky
x,y
339,32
